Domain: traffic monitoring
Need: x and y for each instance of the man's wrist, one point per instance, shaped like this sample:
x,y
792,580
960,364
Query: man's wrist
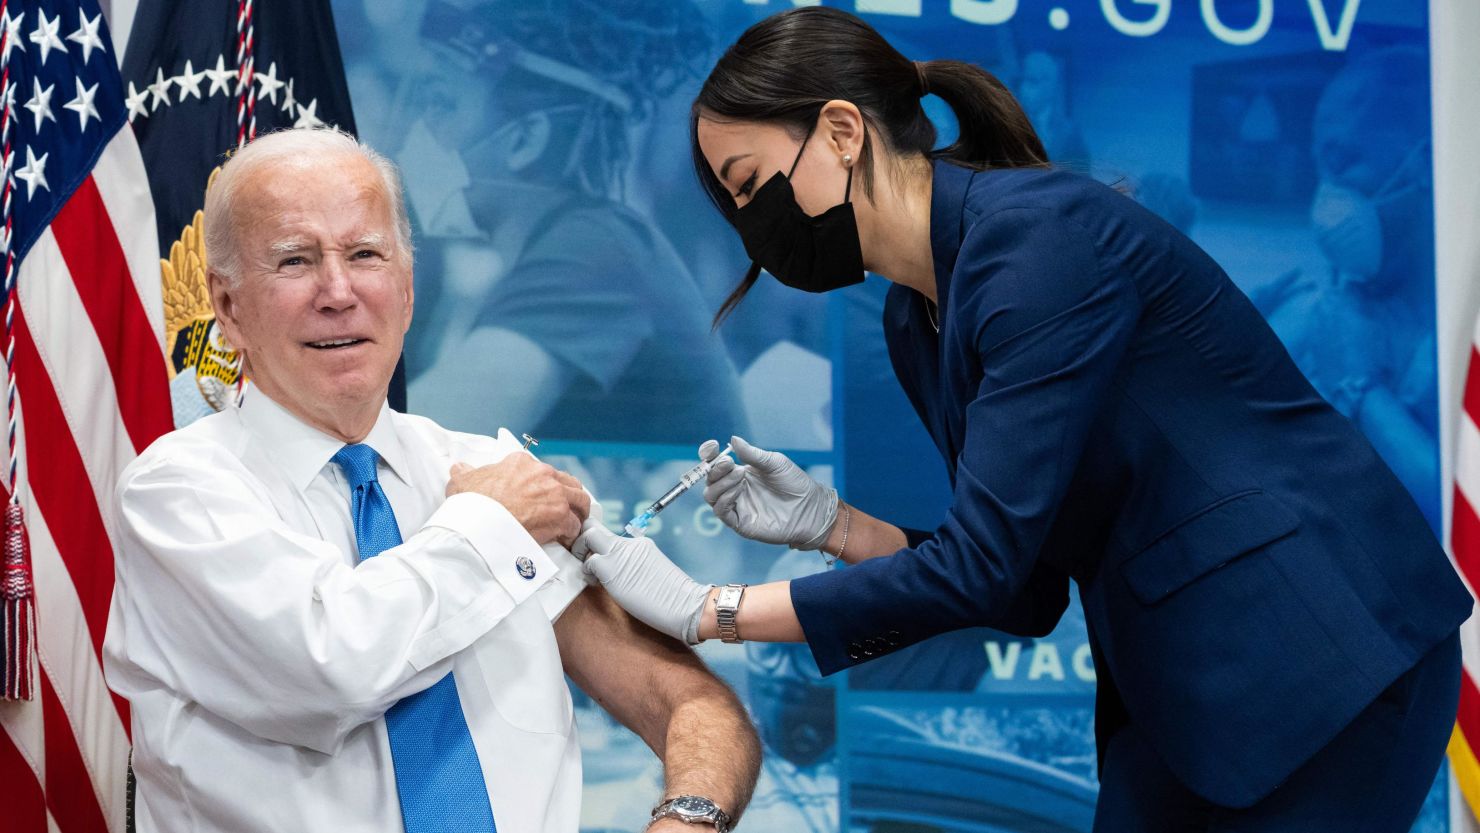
x,y
696,812
676,826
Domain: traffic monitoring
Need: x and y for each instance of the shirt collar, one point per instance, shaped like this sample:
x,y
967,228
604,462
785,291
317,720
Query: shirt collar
x,y
302,451
947,212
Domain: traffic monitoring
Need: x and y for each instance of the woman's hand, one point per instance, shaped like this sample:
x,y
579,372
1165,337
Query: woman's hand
x,y
769,498
642,579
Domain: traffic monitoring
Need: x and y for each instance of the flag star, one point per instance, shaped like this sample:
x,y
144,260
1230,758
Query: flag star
x,y
7,100
40,103
86,35
135,101
189,82
220,77
45,35
13,38
160,89
34,173
83,105
270,84
290,104
307,117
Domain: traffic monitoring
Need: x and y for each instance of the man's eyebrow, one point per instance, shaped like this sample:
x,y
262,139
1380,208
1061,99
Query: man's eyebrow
x,y
289,246
724,170
374,240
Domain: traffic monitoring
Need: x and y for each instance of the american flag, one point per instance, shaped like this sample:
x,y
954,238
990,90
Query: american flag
x,y
89,392
1464,543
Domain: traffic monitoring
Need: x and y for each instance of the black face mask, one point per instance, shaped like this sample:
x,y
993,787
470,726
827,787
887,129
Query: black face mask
x,y
814,254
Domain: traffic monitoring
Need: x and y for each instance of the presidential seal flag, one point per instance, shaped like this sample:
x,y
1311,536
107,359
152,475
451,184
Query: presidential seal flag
x,y
86,391
201,80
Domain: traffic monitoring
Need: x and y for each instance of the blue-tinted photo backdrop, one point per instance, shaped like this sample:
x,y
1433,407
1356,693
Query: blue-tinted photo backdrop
x,y
568,265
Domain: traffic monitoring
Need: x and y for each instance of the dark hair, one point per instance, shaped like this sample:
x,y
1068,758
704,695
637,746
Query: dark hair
x,y
785,68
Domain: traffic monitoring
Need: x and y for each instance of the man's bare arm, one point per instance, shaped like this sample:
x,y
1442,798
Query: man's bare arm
x,y
659,689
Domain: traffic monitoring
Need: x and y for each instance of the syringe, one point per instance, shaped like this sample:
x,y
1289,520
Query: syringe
x,y
637,527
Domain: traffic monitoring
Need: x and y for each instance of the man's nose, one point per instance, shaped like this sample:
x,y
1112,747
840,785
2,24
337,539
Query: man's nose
x,y
336,290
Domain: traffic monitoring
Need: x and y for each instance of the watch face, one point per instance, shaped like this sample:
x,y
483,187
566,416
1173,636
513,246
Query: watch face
x,y
693,805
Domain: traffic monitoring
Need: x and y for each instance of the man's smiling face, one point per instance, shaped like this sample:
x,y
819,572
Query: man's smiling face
x,y
325,295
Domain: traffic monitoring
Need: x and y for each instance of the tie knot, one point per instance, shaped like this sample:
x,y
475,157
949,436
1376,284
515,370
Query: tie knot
x,y
358,463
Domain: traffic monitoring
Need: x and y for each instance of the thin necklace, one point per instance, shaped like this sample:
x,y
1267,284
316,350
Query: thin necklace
x,y
931,311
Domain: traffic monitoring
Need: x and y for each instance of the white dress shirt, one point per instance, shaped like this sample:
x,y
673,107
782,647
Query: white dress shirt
x,y
259,654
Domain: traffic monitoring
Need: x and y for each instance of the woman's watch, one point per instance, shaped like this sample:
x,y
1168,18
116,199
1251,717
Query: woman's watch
x,y
693,809
726,608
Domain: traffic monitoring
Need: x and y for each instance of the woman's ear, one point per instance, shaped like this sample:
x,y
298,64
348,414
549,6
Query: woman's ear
x,y
533,136
842,128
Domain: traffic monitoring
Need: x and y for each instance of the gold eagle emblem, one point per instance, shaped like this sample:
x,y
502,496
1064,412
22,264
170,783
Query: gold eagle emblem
x,y
192,340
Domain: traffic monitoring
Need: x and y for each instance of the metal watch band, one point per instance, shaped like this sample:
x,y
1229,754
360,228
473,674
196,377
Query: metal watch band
x,y
726,608
693,809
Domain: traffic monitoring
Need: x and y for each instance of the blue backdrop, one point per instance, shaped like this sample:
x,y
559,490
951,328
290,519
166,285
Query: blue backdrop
x,y
568,265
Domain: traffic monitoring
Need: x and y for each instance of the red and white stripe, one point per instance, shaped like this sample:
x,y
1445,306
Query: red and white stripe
x,y
1464,538
92,387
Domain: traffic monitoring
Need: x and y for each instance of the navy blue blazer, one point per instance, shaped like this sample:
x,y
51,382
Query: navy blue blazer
x,y
1113,410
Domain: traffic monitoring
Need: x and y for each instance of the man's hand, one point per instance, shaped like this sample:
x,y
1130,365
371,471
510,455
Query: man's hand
x,y
547,502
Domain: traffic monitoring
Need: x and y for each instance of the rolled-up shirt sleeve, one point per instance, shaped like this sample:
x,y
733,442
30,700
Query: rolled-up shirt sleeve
x,y
276,631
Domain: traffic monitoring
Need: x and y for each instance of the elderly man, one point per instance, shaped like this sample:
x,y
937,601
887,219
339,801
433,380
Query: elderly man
x,y
330,616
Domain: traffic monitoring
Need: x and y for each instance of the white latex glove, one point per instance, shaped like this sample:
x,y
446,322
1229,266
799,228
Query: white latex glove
x,y
643,581
769,498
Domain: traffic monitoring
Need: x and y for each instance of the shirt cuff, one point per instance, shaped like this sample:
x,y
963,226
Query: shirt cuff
x,y
516,561
556,596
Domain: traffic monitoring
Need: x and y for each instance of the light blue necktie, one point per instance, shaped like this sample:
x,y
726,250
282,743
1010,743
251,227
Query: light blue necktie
x,y
437,773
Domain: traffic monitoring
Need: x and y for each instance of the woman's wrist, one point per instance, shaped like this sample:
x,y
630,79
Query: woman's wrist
x,y
837,536
858,536
765,614
839,542
709,619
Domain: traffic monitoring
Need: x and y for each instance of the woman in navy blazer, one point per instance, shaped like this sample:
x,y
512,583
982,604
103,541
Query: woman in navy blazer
x,y
1272,621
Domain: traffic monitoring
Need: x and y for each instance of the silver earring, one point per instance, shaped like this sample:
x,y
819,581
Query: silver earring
x,y
847,159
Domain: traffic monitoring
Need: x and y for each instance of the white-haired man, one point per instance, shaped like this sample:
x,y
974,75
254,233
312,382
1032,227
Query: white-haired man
x,y
330,616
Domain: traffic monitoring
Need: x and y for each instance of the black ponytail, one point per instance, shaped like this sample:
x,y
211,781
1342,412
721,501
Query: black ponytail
x,y
995,132
785,68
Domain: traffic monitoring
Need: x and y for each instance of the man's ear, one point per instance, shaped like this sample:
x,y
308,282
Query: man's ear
x,y
224,304
842,127
410,300
532,136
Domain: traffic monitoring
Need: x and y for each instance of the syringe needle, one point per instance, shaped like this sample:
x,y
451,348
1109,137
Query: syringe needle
x,y
637,527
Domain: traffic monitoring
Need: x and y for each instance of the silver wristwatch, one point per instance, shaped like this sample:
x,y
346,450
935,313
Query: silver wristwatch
x,y
726,607
693,809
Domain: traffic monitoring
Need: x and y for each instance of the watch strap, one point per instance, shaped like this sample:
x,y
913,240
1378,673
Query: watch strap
x,y
726,612
717,817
